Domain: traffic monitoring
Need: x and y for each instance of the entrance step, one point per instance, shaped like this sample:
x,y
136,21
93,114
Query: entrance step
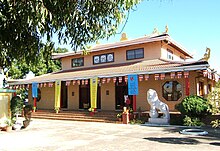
x,y
102,116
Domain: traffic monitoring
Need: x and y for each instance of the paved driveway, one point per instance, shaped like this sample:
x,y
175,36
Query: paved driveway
x,y
89,136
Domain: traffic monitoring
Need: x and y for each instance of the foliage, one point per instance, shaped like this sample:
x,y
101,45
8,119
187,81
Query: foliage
x,y
136,121
214,102
193,106
119,115
16,105
192,121
24,24
9,122
214,99
43,64
216,123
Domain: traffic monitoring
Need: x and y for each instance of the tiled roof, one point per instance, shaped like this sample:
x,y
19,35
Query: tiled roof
x,y
141,40
142,67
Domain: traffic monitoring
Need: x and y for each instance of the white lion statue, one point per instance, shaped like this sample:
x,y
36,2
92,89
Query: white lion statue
x,y
155,104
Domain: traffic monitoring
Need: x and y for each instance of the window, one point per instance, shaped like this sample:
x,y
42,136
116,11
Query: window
x,y
172,90
169,54
103,58
209,88
135,54
77,62
201,89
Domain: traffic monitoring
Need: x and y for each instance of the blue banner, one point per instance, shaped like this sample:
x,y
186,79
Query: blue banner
x,y
34,90
133,84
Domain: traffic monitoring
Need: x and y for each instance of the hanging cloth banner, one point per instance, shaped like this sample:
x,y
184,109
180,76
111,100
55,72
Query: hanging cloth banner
x,y
93,92
133,84
34,90
57,94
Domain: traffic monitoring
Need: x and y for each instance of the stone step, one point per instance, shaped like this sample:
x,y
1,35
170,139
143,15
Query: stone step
x,y
107,117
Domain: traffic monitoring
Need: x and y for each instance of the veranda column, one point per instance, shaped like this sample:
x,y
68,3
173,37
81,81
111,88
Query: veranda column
x,y
57,95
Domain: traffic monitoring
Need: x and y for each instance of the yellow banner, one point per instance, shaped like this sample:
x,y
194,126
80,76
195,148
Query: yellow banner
x,y
57,94
93,92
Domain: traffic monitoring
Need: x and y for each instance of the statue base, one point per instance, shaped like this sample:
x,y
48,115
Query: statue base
x,y
159,121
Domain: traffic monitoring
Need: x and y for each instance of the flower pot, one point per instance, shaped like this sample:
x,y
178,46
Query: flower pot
x,y
7,128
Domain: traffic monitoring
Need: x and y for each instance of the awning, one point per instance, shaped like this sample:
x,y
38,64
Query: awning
x,y
156,66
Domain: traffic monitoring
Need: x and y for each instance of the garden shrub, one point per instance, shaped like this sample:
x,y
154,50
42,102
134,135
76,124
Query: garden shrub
x,y
16,106
193,108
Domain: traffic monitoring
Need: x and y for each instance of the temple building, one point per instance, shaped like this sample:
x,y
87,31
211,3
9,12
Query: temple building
x,y
157,61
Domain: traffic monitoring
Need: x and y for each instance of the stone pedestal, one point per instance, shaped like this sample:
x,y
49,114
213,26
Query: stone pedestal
x,y
159,121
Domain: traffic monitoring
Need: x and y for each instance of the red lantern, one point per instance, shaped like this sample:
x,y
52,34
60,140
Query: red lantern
x,y
162,76
78,82
172,75
45,84
146,76
205,73
108,80
74,81
103,80
186,74
86,82
120,79
114,79
141,77
156,76
179,75
126,79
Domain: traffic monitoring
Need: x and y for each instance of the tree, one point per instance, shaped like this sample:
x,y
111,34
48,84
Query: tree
x,y
43,63
24,23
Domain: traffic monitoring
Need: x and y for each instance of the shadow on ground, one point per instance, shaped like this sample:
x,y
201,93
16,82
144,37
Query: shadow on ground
x,y
174,140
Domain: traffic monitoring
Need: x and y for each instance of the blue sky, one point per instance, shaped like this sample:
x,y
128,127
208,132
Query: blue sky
x,y
195,24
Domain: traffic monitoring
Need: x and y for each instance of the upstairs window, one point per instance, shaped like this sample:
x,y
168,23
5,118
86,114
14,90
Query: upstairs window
x,y
135,54
103,58
169,54
77,62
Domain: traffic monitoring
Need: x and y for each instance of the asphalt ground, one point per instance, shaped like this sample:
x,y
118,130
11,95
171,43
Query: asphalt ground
x,y
58,135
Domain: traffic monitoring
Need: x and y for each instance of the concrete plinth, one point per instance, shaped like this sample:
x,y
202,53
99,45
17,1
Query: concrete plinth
x,y
160,121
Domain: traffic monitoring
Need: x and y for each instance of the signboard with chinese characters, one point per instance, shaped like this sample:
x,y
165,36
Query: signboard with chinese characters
x,y
34,89
133,84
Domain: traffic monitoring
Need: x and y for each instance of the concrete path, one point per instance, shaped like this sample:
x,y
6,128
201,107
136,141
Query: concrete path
x,y
57,135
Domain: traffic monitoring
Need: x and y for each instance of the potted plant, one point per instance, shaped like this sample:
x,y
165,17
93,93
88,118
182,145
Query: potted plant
x,y
57,109
119,116
8,126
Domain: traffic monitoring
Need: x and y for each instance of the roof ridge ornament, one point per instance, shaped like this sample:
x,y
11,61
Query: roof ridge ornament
x,y
156,31
166,29
206,56
123,37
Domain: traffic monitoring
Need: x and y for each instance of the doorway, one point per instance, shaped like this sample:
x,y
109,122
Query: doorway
x,y
121,89
84,96
63,99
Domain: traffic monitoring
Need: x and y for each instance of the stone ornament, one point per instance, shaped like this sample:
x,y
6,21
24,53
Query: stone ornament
x,y
156,104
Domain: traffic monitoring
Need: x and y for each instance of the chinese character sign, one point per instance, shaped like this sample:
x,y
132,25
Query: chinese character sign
x,y
34,90
133,84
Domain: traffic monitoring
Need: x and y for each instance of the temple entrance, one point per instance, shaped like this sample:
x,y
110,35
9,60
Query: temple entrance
x,y
84,96
63,99
121,89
